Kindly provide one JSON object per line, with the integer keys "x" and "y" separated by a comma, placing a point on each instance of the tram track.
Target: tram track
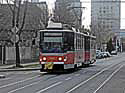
{"x": 71, "y": 77}
{"x": 82, "y": 83}
{"x": 25, "y": 83}
{"x": 32, "y": 82}
{"x": 108, "y": 79}
{"x": 16, "y": 78}
{"x": 55, "y": 83}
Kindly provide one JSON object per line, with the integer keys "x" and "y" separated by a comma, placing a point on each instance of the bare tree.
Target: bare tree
{"x": 21, "y": 19}
{"x": 15, "y": 9}
{"x": 103, "y": 34}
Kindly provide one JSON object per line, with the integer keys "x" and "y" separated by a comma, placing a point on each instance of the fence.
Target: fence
{"x": 27, "y": 54}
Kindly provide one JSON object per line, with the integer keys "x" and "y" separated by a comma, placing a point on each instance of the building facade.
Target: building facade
{"x": 105, "y": 19}
{"x": 34, "y": 1}
{"x": 70, "y": 8}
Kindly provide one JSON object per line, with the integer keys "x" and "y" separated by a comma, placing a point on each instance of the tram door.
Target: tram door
{"x": 87, "y": 49}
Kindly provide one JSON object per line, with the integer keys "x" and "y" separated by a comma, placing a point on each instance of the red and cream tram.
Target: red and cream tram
{"x": 65, "y": 49}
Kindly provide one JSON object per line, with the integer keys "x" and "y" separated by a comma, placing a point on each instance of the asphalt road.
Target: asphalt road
{"x": 105, "y": 76}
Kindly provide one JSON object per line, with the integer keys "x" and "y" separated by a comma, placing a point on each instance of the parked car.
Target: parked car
{"x": 114, "y": 52}
{"x": 108, "y": 54}
{"x": 104, "y": 54}
{"x": 98, "y": 54}
{"x": 98, "y": 51}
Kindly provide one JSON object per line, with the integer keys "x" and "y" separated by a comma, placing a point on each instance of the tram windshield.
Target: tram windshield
{"x": 56, "y": 42}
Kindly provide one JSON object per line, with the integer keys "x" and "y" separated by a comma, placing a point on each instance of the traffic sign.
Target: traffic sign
{"x": 15, "y": 29}
{"x": 15, "y": 38}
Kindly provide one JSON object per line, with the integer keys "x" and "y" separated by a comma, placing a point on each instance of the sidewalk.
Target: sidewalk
{"x": 27, "y": 67}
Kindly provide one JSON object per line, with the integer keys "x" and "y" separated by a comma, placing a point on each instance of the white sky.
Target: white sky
{"x": 122, "y": 16}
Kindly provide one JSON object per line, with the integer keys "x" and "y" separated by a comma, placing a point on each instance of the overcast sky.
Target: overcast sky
{"x": 122, "y": 16}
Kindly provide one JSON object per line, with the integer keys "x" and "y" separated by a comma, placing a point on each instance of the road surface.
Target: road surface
{"x": 105, "y": 76}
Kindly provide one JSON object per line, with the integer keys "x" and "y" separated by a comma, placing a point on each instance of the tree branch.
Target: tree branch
{"x": 24, "y": 16}
{"x": 14, "y": 11}
{"x": 9, "y": 6}
{"x": 18, "y": 14}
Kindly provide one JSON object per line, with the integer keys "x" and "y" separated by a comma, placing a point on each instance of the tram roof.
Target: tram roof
{"x": 62, "y": 30}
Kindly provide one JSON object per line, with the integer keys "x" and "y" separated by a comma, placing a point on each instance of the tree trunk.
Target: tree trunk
{"x": 17, "y": 55}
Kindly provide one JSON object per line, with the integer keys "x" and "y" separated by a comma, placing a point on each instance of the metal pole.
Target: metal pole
{"x": 121, "y": 47}
{"x": 116, "y": 45}
{"x": 2, "y": 55}
{"x": 15, "y": 42}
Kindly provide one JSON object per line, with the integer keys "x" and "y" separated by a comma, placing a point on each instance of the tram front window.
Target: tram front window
{"x": 52, "y": 47}
{"x": 51, "y": 44}
{"x": 56, "y": 42}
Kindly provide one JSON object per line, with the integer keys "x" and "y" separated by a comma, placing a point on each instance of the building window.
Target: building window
{"x": 104, "y": 11}
{"x": 111, "y": 7}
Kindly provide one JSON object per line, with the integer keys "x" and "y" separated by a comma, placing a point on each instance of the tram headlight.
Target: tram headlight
{"x": 44, "y": 58}
{"x": 60, "y": 58}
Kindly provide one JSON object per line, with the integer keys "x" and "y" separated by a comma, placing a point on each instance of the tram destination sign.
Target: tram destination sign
{"x": 52, "y": 34}
{"x": 52, "y": 39}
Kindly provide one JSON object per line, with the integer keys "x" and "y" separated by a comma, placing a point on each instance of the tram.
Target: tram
{"x": 62, "y": 48}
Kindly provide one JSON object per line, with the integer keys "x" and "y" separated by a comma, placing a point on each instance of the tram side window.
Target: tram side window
{"x": 77, "y": 41}
{"x": 87, "y": 43}
{"x": 41, "y": 39}
{"x": 81, "y": 41}
{"x": 68, "y": 41}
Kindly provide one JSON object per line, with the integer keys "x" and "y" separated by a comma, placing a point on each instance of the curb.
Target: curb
{"x": 21, "y": 69}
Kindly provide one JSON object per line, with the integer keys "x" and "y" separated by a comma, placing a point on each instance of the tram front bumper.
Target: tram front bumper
{"x": 52, "y": 62}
